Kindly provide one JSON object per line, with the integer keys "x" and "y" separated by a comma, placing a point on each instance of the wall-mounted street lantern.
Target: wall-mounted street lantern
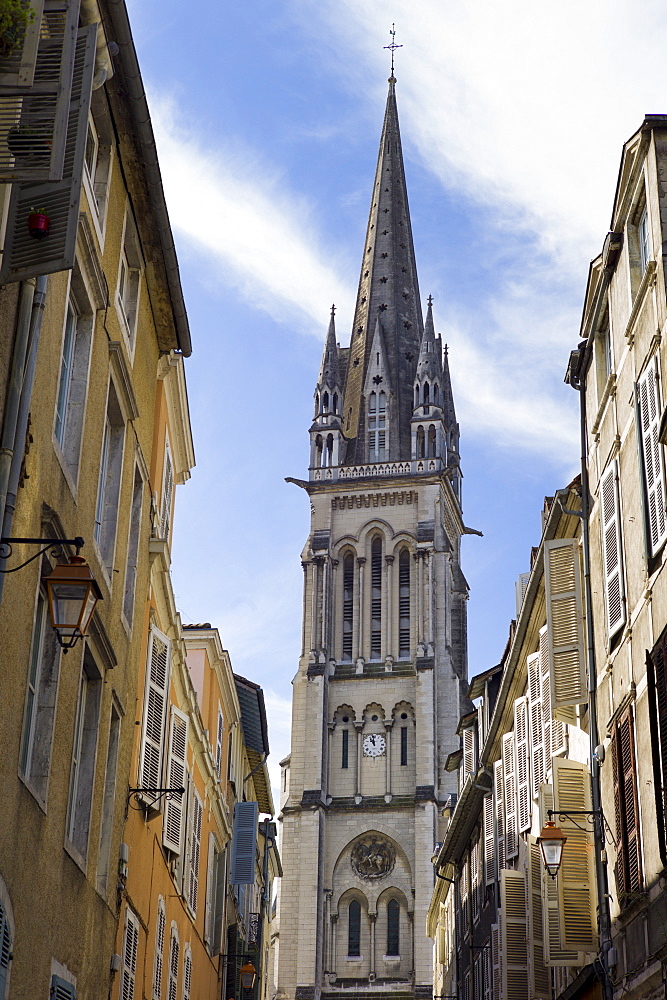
{"x": 551, "y": 842}
{"x": 248, "y": 975}
{"x": 71, "y": 588}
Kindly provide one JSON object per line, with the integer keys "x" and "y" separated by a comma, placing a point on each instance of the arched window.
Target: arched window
{"x": 393, "y": 922}
{"x": 426, "y": 394}
{"x": 5, "y": 950}
{"x": 318, "y": 451}
{"x": 325, "y": 403}
{"x": 348, "y": 605}
{"x": 354, "y": 928}
{"x": 377, "y": 434}
{"x": 317, "y": 403}
{"x": 416, "y": 396}
{"x": 376, "y": 599}
{"x": 421, "y": 445}
{"x": 329, "y": 458}
{"x": 431, "y": 441}
{"x": 436, "y": 394}
{"x": 335, "y": 402}
{"x": 404, "y": 603}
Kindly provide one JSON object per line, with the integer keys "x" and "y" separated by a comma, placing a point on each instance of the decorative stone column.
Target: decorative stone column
{"x": 332, "y": 958}
{"x": 372, "y": 918}
{"x": 359, "y": 727}
{"x": 332, "y": 646}
{"x": 429, "y": 634}
{"x": 387, "y": 729}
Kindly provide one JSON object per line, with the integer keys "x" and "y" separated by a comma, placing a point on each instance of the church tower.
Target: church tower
{"x": 382, "y": 678}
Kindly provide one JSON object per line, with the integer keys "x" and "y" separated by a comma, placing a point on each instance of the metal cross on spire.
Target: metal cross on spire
{"x": 393, "y": 46}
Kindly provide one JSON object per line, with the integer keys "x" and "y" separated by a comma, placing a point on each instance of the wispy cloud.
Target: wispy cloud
{"x": 230, "y": 205}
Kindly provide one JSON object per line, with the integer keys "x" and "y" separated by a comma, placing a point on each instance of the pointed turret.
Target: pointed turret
{"x": 329, "y": 369}
{"x": 389, "y": 290}
{"x": 325, "y": 432}
{"x": 429, "y": 366}
{"x": 448, "y": 396}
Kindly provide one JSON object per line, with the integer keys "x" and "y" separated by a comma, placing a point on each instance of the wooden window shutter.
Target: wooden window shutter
{"x": 514, "y": 945}
{"x": 129, "y": 956}
{"x": 554, "y": 955}
{"x": 61, "y": 989}
{"x": 159, "y": 950}
{"x": 489, "y": 842}
{"x": 539, "y": 979}
{"x": 653, "y": 465}
{"x": 167, "y": 493}
{"x": 565, "y": 624}
{"x": 555, "y": 731}
{"x": 194, "y": 852}
{"x": 521, "y": 765}
{"x": 155, "y": 710}
{"x": 576, "y": 878}
{"x": 469, "y": 762}
{"x": 244, "y": 842}
{"x": 33, "y": 113}
{"x": 210, "y": 890}
{"x": 499, "y": 807}
{"x": 626, "y": 805}
{"x": 509, "y": 795}
{"x": 656, "y": 672}
{"x": 496, "y": 962}
{"x": 24, "y": 256}
{"x": 537, "y": 769}
{"x": 612, "y": 550}
{"x": 172, "y": 829}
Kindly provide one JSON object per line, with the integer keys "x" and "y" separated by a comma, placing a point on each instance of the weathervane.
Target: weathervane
{"x": 392, "y": 47}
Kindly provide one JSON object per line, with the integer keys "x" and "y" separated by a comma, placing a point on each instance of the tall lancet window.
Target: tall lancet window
{"x": 377, "y": 434}
{"x": 376, "y": 598}
{"x": 348, "y": 605}
{"x": 431, "y": 441}
{"x": 404, "y": 604}
{"x": 354, "y": 928}
{"x": 393, "y": 918}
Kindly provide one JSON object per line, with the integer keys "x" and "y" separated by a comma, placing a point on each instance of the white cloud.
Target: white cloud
{"x": 231, "y": 207}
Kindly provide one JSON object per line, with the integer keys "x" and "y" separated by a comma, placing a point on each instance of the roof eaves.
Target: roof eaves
{"x": 465, "y": 815}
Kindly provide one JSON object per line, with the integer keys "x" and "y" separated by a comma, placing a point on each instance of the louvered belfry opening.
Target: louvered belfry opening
{"x": 348, "y": 605}
{"x": 404, "y": 604}
{"x": 376, "y": 599}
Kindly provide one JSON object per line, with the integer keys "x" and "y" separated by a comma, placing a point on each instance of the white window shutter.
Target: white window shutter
{"x": 167, "y": 492}
{"x": 174, "y": 953}
{"x": 514, "y": 945}
{"x": 210, "y": 891}
{"x": 576, "y": 878}
{"x": 194, "y": 852}
{"x": 25, "y": 257}
{"x": 129, "y": 956}
{"x": 159, "y": 950}
{"x": 218, "y": 743}
{"x": 489, "y": 842}
{"x": 155, "y": 710}
{"x": 17, "y": 71}
{"x": 5, "y": 951}
{"x": 554, "y": 955}
{"x": 497, "y": 964}
{"x": 172, "y": 828}
{"x": 244, "y": 841}
{"x": 509, "y": 795}
{"x": 554, "y": 731}
{"x": 61, "y": 989}
{"x": 464, "y": 890}
{"x": 654, "y": 469}
{"x": 612, "y": 550}
{"x": 499, "y": 807}
{"x": 475, "y": 880}
{"x": 521, "y": 768}
{"x": 565, "y": 623}
{"x": 539, "y": 979}
{"x": 469, "y": 752}
{"x": 537, "y": 769}
{"x": 187, "y": 973}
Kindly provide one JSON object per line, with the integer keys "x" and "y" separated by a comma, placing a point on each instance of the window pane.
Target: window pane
{"x": 66, "y": 359}
{"x": 393, "y": 916}
{"x": 354, "y": 929}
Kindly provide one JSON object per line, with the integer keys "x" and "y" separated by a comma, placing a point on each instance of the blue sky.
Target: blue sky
{"x": 268, "y": 117}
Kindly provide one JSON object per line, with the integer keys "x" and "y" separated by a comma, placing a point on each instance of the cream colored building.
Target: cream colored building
{"x": 381, "y": 681}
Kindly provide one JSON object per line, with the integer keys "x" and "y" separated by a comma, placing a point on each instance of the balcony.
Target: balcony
{"x": 374, "y": 470}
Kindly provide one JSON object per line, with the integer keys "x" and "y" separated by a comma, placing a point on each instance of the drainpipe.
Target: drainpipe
{"x": 35, "y": 326}
{"x": 15, "y": 387}
{"x": 576, "y": 377}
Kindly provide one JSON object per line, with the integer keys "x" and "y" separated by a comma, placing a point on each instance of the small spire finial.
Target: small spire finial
{"x": 446, "y": 350}
{"x": 333, "y": 311}
{"x": 430, "y": 300}
{"x": 393, "y": 46}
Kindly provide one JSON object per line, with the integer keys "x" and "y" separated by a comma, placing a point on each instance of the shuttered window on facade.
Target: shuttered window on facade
{"x": 565, "y": 625}
{"x": 554, "y": 954}
{"x": 648, "y": 400}
{"x": 626, "y": 807}
{"x": 656, "y": 673}
{"x": 158, "y": 964}
{"x": 5, "y": 951}
{"x": 521, "y": 763}
{"x": 172, "y": 829}
{"x": 129, "y": 956}
{"x": 61, "y": 989}
{"x": 194, "y": 852}
{"x": 475, "y": 880}
{"x": 612, "y": 550}
{"x": 554, "y": 732}
{"x": 155, "y": 710}
{"x": 499, "y": 809}
{"x": 576, "y": 877}
{"x": 509, "y": 795}
{"x": 489, "y": 841}
{"x": 464, "y": 890}
{"x": 513, "y": 935}
{"x": 537, "y": 767}
{"x": 174, "y": 952}
{"x": 244, "y": 841}
{"x": 469, "y": 751}
{"x": 539, "y": 976}
{"x": 496, "y": 962}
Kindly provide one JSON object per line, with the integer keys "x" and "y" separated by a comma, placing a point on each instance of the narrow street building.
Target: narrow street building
{"x": 382, "y": 678}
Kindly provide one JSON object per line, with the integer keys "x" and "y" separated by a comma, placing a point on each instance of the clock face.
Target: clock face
{"x": 374, "y": 745}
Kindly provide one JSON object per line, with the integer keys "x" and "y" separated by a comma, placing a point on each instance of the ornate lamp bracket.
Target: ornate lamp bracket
{"x": 54, "y": 545}
{"x": 146, "y": 798}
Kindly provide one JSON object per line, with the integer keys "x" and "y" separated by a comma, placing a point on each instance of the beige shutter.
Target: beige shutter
{"x": 576, "y": 878}
{"x": 129, "y": 956}
{"x": 172, "y": 830}
{"x": 155, "y": 711}
{"x": 521, "y": 768}
{"x": 612, "y": 549}
{"x": 509, "y": 795}
{"x": 540, "y": 979}
{"x": 167, "y": 492}
{"x": 210, "y": 890}
{"x": 497, "y": 962}
{"x": 654, "y": 470}
{"x": 218, "y": 743}
{"x": 554, "y": 731}
{"x": 537, "y": 769}
{"x": 475, "y": 880}
{"x": 499, "y": 806}
{"x": 565, "y": 623}
{"x": 159, "y": 950}
{"x": 469, "y": 763}
{"x": 554, "y": 955}
{"x": 513, "y": 935}
{"x": 464, "y": 890}
{"x": 489, "y": 842}
{"x": 194, "y": 853}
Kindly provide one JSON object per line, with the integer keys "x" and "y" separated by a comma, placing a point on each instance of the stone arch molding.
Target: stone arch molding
{"x": 397, "y": 877}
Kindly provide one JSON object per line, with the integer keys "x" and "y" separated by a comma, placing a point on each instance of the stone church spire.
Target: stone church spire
{"x": 388, "y": 290}
{"x": 329, "y": 369}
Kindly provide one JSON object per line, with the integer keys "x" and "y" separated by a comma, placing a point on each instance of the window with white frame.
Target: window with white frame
{"x": 84, "y": 752}
{"x": 377, "y": 434}
{"x": 108, "y": 491}
{"x": 73, "y": 376}
{"x": 92, "y": 150}
{"x": 129, "y": 956}
{"x": 129, "y": 278}
{"x": 218, "y": 742}
{"x": 40, "y": 704}
{"x": 174, "y": 951}
{"x": 644, "y": 239}
{"x": 167, "y": 492}
{"x": 159, "y": 949}
{"x": 98, "y": 156}
{"x": 194, "y": 850}
{"x": 133, "y": 546}
{"x": 106, "y": 826}
{"x": 6, "y": 955}
{"x": 154, "y": 721}
{"x": 187, "y": 972}
{"x": 649, "y": 412}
